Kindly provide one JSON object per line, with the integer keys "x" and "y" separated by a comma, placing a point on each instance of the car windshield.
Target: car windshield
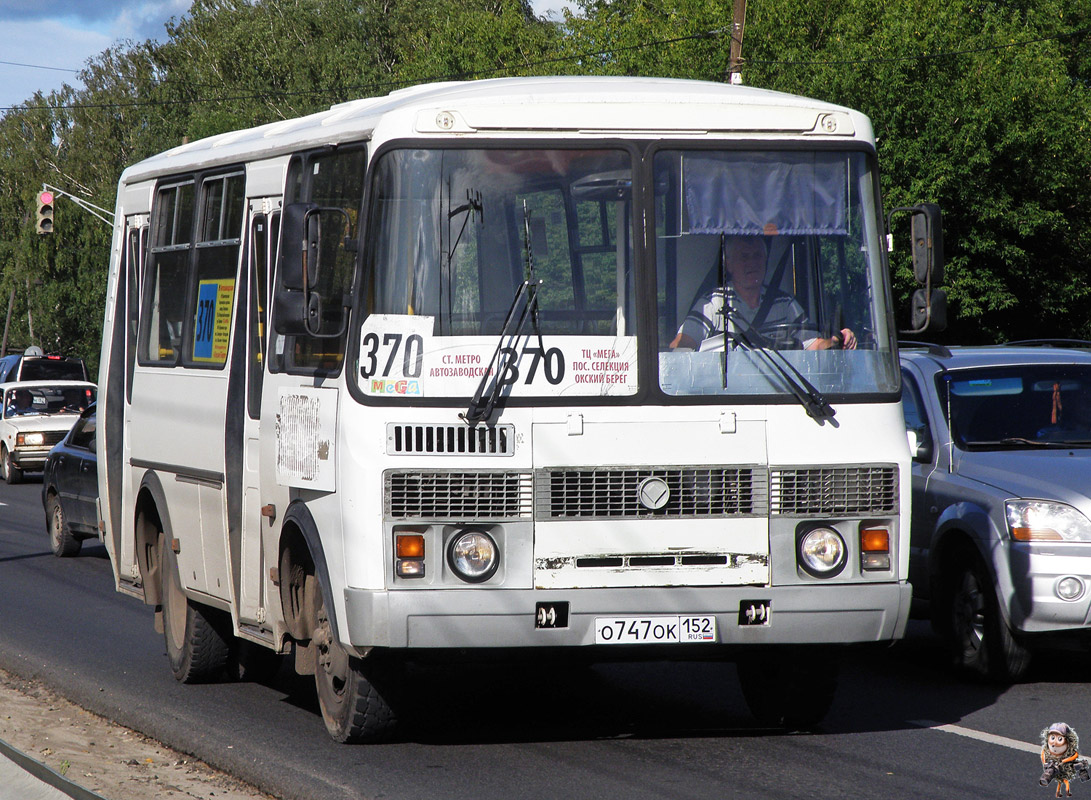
{"x": 22, "y": 401}
{"x": 1026, "y": 406}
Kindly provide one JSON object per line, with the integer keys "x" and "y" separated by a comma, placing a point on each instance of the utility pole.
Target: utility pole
{"x": 735, "y": 58}
{"x": 7, "y": 322}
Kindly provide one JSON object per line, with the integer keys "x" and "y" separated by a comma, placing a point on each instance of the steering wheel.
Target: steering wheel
{"x": 781, "y": 333}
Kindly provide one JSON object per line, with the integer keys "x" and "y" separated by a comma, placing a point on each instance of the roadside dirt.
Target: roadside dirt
{"x": 105, "y": 758}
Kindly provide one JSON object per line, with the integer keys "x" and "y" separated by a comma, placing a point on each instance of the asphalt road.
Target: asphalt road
{"x": 902, "y": 726}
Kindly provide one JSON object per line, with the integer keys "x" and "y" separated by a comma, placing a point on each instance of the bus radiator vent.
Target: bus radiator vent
{"x": 450, "y": 440}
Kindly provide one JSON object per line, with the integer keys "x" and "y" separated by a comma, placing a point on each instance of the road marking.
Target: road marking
{"x": 970, "y": 733}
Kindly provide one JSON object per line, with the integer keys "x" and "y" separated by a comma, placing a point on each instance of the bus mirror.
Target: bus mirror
{"x": 309, "y": 314}
{"x": 289, "y": 314}
{"x": 926, "y": 227}
{"x": 300, "y": 237}
{"x": 929, "y": 311}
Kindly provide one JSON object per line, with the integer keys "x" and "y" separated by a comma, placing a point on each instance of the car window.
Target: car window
{"x": 912, "y": 405}
{"x": 1027, "y": 405}
{"x": 83, "y": 433}
{"x": 51, "y": 369}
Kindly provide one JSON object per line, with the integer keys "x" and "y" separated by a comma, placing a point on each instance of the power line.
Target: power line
{"x": 388, "y": 85}
{"x": 37, "y": 66}
{"x": 373, "y": 87}
{"x": 926, "y": 56}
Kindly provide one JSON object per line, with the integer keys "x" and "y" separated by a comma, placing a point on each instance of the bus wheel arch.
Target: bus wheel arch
{"x": 356, "y": 696}
{"x": 303, "y": 575}
{"x": 295, "y": 565}
{"x": 149, "y": 523}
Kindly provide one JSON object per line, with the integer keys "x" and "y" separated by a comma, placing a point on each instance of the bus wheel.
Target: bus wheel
{"x": 352, "y": 706}
{"x": 197, "y": 644}
{"x": 12, "y": 474}
{"x": 787, "y": 690}
{"x": 61, "y": 540}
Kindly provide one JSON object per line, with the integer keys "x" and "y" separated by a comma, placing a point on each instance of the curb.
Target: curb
{"x": 15, "y": 765}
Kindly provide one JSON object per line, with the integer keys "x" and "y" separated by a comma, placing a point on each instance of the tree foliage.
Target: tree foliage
{"x": 982, "y": 107}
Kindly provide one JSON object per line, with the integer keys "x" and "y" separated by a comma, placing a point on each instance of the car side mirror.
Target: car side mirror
{"x": 920, "y": 444}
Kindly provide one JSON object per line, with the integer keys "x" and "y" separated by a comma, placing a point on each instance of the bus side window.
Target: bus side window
{"x": 215, "y": 265}
{"x": 263, "y": 238}
{"x": 163, "y": 306}
{"x": 135, "y": 247}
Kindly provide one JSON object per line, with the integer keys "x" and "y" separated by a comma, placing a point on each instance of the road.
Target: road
{"x": 902, "y": 725}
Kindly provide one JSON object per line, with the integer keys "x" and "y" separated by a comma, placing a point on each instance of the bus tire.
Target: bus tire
{"x": 353, "y": 707}
{"x": 787, "y": 690}
{"x": 197, "y": 645}
{"x": 12, "y": 474}
{"x": 61, "y": 540}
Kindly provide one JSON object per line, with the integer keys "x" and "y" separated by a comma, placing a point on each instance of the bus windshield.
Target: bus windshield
{"x": 456, "y": 235}
{"x": 768, "y": 263}
{"x": 515, "y": 268}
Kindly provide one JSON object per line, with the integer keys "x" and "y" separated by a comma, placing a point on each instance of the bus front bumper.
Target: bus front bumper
{"x": 467, "y": 618}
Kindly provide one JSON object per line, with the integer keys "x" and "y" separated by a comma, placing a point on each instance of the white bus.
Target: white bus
{"x": 402, "y": 380}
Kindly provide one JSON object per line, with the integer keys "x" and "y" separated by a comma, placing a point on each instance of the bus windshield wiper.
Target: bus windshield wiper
{"x": 481, "y": 407}
{"x": 812, "y": 400}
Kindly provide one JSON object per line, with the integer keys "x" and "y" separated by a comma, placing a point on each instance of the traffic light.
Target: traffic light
{"x": 45, "y": 212}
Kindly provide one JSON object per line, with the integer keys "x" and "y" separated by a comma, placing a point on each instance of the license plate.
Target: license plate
{"x": 654, "y": 630}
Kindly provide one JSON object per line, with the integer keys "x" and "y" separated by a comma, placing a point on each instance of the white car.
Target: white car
{"x": 37, "y": 415}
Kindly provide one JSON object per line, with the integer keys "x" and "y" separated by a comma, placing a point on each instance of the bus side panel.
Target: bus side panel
{"x": 177, "y": 426}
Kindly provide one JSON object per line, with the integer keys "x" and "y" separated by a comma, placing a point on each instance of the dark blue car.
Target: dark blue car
{"x": 70, "y": 488}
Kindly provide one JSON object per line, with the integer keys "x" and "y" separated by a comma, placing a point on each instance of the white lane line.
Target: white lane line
{"x": 970, "y": 733}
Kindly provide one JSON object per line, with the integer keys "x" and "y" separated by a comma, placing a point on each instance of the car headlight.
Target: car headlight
{"x": 473, "y": 556}
{"x": 30, "y": 440}
{"x": 822, "y": 552}
{"x": 1046, "y": 521}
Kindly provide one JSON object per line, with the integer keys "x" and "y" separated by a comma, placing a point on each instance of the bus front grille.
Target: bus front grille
{"x": 834, "y": 491}
{"x": 468, "y": 495}
{"x": 450, "y": 440}
{"x": 621, "y": 493}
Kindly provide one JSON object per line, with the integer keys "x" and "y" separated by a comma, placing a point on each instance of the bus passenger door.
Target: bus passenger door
{"x": 252, "y": 559}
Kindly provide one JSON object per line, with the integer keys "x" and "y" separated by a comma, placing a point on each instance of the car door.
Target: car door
{"x": 924, "y": 512}
{"x": 70, "y": 475}
{"x": 83, "y": 442}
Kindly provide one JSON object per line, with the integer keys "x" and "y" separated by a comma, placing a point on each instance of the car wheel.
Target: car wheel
{"x": 12, "y": 474}
{"x": 196, "y": 637}
{"x": 792, "y": 690}
{"x": 353, "y": 706}
{"x": 981, "y": 641}
{"x": 61, "y": 540}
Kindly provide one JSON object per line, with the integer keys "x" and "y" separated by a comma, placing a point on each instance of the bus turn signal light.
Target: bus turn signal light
{"x": 410, "y": 545}
{"x": 874, "y": 549}
{"x": 409, "y": 549}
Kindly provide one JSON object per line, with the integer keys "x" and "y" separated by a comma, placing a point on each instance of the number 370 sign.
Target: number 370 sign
{"x": 399, "y": 355}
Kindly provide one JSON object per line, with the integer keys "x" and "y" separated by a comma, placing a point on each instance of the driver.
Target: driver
{"x": 745, "y": 261}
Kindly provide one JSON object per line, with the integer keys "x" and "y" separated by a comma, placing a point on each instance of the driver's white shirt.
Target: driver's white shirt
{"x": 707, "y": 318}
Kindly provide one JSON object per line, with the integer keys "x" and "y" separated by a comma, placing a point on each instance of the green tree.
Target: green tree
{"x": 979, "y": 107}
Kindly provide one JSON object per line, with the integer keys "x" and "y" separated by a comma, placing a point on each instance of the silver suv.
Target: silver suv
{"x": 1001, "y": 526}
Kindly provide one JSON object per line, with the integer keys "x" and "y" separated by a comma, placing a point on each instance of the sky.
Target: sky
{"x": 44, "y": 43}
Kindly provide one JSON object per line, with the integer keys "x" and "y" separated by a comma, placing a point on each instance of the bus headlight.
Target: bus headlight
{"x": 473, "y": 556}
{"x": 822, "y": 552}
